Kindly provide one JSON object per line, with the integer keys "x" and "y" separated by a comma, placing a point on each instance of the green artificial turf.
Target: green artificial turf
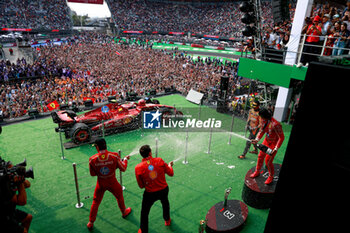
{"x": 194, "y": 189}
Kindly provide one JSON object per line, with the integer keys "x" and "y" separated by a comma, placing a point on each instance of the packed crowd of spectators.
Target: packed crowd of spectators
{"x": 220, "y": 20}
{"x": 21, "y": 69}
{"x": 35, "y": 14}
{"x": 93, "y": 68}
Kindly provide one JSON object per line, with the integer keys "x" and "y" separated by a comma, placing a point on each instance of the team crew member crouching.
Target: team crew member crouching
{"x": 274, "y": 139}
{"x": 103, "y": 165}
{"x": 150, "y": 174}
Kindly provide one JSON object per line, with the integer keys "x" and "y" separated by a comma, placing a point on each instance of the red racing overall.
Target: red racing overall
{"x": 150, "y": 174}
{"x": 274, "y": 139}
{"x": 103, "y": 165}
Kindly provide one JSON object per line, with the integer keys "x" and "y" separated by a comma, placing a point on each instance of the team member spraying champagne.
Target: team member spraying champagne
{"x": 273, "y": 140}
{"x": 150, "y": 175}
{"x": 103, "y": 165}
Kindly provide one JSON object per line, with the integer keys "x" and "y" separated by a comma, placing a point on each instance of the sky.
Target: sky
{"x": 92, "y": 10}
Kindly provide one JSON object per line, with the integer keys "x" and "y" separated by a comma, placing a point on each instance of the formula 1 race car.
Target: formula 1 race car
{"x": 108, "y": 119}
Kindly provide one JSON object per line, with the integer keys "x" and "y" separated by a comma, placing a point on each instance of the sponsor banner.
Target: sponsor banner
{"x": 211, "y": 37}
{"x": 176, "y": 33}
{"x": 133, "y": 32}
{"x": 16, "y": 29}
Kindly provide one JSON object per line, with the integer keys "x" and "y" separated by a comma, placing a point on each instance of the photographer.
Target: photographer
{"x": 20, "y": 219}
{"x": 313, "y": 32}
{"x": 13, "y": 193}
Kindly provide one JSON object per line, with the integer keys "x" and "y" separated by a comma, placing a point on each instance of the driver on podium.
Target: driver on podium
{"x": 274, "y": 139}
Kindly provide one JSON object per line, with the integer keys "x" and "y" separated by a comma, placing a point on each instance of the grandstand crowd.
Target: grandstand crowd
{"x": 94, "y": 66}
{"x": 205, "y": 19}
{"x": 91, "y": 68}
{"x": 35, "y": 14}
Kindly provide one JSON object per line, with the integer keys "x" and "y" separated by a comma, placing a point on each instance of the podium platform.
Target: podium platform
{"x": 255, "y": 192}
{"x": 229, "y": 219}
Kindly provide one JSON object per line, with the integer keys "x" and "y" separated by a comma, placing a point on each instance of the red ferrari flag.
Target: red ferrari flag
{"x": 53, "y": 105}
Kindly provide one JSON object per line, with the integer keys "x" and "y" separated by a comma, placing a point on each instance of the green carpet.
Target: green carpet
{"x": 194, "y": 188}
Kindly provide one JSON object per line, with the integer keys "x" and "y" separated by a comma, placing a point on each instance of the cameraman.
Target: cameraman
{"x": 12, "y": 219}
{"x": 23, "y": 219}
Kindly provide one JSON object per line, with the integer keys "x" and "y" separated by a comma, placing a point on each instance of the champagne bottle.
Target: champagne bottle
{"x": 202, "y": 224}
{"x": 264, "y": 149}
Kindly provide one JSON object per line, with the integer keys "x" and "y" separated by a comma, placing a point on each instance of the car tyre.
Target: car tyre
{"x": 80, "y": 133}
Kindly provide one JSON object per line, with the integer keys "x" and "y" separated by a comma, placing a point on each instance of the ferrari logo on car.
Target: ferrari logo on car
{"x": 127, "y": 120}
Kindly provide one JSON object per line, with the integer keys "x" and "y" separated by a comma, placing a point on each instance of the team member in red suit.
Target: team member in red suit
{"x": 274, "y": 139}
{"x": 150, "y": 174}
{"x": 103, "y": 165}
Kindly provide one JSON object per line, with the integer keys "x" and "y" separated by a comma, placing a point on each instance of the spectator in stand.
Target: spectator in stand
{"x": 346, "y": 19}
{"x": 284, "y": 41}
{"x": 341, "y": 41}
{"x": 346, "y": 9}
{"x": 271, "y": 38}
{"x": 249, "y": 47}
{"x": 330, "y": 43}
{"x": 313, "y": 32}
{"x": 326, "y": 26}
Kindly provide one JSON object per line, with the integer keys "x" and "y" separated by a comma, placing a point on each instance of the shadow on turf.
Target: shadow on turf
{"x": 131, "y": 218}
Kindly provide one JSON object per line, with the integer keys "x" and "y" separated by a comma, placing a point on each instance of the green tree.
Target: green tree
{"x": 79, "y": 20}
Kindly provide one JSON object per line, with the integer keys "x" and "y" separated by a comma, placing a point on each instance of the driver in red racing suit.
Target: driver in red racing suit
{"x": 103, "y": 165}
{"x": 274, "y": 139}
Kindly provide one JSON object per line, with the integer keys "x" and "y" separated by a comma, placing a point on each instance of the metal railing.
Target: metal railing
{"x": 321, "y": 49}
{"x": 324, "y": 48}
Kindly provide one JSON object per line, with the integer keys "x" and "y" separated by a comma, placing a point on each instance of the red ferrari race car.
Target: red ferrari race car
{"x": 110, "y": 118}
